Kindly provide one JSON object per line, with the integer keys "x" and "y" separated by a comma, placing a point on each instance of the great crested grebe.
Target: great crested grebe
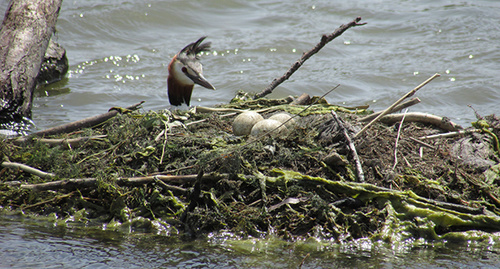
{"x": 184, "y": 71}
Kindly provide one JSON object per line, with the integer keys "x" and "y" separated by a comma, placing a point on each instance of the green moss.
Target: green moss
{"x": 288, "y": 190}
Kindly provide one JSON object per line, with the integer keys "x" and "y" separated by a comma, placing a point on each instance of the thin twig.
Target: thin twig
{"x": 450, "y": 134}
{"x": 325, "y": 39}
{"x": 167, "y": 186}
{"x": 164, "y": 141}
{"x": 48, "y": 201}
{"x": 28, "y": 169}
{"x": 405, "y": 104}
{"x": 422, "y": 143}
{"x": 303, "y": 260}
{"x": 397, "y": 140}
{"x": 410, "y": 93}
{"x": 352, "y": 148}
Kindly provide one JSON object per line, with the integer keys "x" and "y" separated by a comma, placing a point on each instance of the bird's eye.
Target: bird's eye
{"x": 184, "y": 70}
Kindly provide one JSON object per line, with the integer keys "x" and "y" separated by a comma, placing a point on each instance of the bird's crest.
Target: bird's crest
{"x": 195, "y": 48}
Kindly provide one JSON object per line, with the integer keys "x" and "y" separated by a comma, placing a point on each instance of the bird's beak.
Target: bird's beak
{"x": 201, "y": 80}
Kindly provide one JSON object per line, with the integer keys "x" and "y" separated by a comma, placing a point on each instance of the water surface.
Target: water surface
{"x": 118, "y": 53}
{"x": 30, "y": 243}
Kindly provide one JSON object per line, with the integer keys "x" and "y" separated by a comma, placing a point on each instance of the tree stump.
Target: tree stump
{"x": 26, "y": 30}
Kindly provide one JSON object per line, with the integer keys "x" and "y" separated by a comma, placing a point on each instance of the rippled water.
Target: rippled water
{"x": 118, "y": 53}
{"x": 31, "y": 243}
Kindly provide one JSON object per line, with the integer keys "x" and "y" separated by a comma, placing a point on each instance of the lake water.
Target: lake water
{"x": 31, "y": 243}
{"x": 119, "y": 51}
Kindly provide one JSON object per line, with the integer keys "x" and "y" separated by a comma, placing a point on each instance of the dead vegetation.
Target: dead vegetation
{"x": 156, "y": 170}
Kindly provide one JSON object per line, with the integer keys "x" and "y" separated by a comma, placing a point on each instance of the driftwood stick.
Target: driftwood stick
{"x": 325, "y": 39}
{"x": 352, "y": 148}
{"x": 28, "y": 169}
{"x": 440, "y": 122}
{"x": 450, "y": 134}
{"x": 70, "y": 142}
{"x": 403, "y": 105}
{"x": 84, "y": 123}
{"x": 77, "y": 183}
{"x": 410, "y": 93}
{"x": 66, "y": 184}
{"x": 135, "y": 181}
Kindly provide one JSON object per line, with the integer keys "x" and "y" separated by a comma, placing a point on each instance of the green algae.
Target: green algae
{"x": 401, "y": 206}
{"x": 291, "y": 192}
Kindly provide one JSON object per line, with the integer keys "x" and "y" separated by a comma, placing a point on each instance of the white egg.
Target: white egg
{"x": 265, "y": 126}
{"x": 244, "y": 122}
{"x": 282, "y": 117}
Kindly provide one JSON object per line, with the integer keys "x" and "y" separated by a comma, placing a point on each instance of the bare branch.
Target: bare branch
{"x": 325, "y": 39}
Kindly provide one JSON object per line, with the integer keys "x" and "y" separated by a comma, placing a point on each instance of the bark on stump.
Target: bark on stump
{"x": 26, "y": 30}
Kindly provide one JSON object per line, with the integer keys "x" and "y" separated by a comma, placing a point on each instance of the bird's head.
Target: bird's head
{"x": 185, "y": 70}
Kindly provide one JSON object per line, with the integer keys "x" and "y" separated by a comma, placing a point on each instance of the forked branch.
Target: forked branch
{"x": 325, "y": 39}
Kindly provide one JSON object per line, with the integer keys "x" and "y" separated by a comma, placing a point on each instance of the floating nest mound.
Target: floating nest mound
{"x": 188, "y": 175}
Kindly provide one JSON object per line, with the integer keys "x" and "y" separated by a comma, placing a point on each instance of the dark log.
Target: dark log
{"x": 26, "y": 30}
{"x": 304, "y": 99}
{"x": 85, "y": 123}
{"x": 54, "y": 66}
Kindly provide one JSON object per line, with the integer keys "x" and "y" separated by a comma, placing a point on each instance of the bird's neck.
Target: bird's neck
{"x": 178, "y": 93}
